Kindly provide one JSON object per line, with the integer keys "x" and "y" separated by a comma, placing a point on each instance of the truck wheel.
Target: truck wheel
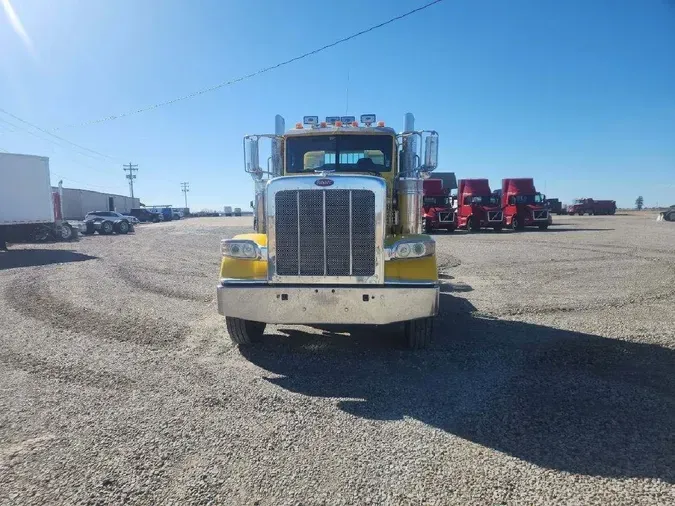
{"x": 428, "y": 228}
{"x": 39, "y": 234}
{"x": 106, "y": 228}
{"x": 516, "y": 224}
{"x": 122, "y": 227}
{"x": 244, "y": 331}
{"x": 66, "y": 232}
{"x": 472, "y": 225}
{"x": 417, "y": 333}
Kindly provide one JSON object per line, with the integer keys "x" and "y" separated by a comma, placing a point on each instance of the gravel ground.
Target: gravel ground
{"x": 550, "y": 380}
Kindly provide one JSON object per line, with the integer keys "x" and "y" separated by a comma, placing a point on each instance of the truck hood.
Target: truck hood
{"x": 485, "y": 208}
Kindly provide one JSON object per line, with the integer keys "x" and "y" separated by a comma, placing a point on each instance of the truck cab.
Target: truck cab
{"x": 477, "y": 206}
{"x": 338, "y": 237}
{"x": 437, "y": 205}
{"x": 523, "y": 205}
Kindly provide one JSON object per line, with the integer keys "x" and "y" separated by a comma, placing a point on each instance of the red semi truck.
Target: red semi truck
{"x": 477, "y": 206}
{"x": 590, "y": 206}
{"x": 437, "y": 206}
{"x": 523, "y": 206}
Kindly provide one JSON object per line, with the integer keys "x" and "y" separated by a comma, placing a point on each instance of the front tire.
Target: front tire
{"x": 244, "y": 332}
{"x": 417, "y": 333}
{"x": 472, "y": 225}
{"x": 516, "y": 223}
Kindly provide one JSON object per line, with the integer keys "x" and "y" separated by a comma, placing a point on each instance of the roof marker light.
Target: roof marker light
{"x": 355, "y": 123}
{"x": 298, "y": 126}
{"x": 322, "y": 124}
{"x": 380, "y": 123}
{"x": 368, "y": 119}
{"x": 338, "y": 123}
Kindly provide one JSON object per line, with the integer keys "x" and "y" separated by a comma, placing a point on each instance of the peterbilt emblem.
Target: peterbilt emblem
{"x": 324, "y": 182}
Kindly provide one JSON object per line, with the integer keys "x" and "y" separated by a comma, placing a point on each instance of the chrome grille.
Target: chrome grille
{"x": 445, "y": 217}
{"x": 495, "y": 216}
{"x": 325, "y": 232}
{"x": 540, "y": 215}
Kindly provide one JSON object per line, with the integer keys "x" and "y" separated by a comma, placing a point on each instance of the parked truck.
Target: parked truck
{"x": 237, "y": 211}
{"x": 477, "y": 206}
{"x": 29, "y": 210}
{"x": 522, "y": 205}
{"x": 338, "y": 235}
{"x": 227, "y": 211}
{"x": 592, "y": 207}
{"x": 555, "y": 206}
{"x": 437, "y": 204}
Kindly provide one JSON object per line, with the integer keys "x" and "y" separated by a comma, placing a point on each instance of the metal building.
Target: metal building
{"x": 77, "y": 203}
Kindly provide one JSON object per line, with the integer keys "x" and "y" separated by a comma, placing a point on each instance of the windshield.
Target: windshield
{"x": 578, "y": 201}
{"x": 436, "y": 201}
{"x": 341, "y": 153}
{"x": 484, "y": 200}
{"x": 529, "y": 199}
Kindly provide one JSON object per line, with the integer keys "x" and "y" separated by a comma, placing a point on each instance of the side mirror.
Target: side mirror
{"x": 431, "y": 152}
{"x": 251, "y": 203}
{"x": 252, "y": 156}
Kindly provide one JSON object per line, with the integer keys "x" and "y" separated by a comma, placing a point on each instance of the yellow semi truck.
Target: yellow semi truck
{"x": 338, "y": 231}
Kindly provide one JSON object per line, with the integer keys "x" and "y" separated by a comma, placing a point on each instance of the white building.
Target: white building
{"x": 77, "y": 203}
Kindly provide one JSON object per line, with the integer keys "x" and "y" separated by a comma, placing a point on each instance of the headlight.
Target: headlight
{"x": 236, "y": 248}
{"x": 411, "y": 249}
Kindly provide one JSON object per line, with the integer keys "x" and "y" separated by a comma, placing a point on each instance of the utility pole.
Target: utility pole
{"x": 131, "y": 176}
{"x": 185, "y": 187}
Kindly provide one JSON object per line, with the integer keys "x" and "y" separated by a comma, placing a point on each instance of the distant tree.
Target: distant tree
{"x": 639, "y": 203}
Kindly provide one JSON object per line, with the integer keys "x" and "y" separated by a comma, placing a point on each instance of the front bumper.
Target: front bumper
{"x": 315, "y": 304}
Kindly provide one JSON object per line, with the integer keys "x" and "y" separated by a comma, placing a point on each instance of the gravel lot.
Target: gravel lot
{"x": 551, "y": 378}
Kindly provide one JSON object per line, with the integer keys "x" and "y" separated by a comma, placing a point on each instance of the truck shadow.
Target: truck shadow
{"x": 549, "y": 230}
{"x": 562, "y": 400}
{"x": 15, "y": 258}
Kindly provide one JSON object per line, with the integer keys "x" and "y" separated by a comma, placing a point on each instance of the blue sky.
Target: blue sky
{"x": 579, "y": 94}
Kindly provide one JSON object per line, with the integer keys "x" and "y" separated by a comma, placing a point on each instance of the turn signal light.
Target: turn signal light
{"x": 380, "y": 123}
{"x": 298, "y": 126}
{"x": 338, "y": 123}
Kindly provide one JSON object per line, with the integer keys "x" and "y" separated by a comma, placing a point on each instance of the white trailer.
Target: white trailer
{"x": 227, "y": 210}
{"x": 237, "y": 211}
{"x": 28, "y": 210}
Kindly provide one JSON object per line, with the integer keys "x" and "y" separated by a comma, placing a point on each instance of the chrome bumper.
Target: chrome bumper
{"x": 314, "y": 304}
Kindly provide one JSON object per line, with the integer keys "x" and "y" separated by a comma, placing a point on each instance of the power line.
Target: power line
{"x": 131, "y": 176}
{"x": 56, "y": 136}
{"x": 256, "y": 73}
{"x": 83, "y": 183}
{"x": 55, "y": 143}
{"x": 185, "y": 188}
